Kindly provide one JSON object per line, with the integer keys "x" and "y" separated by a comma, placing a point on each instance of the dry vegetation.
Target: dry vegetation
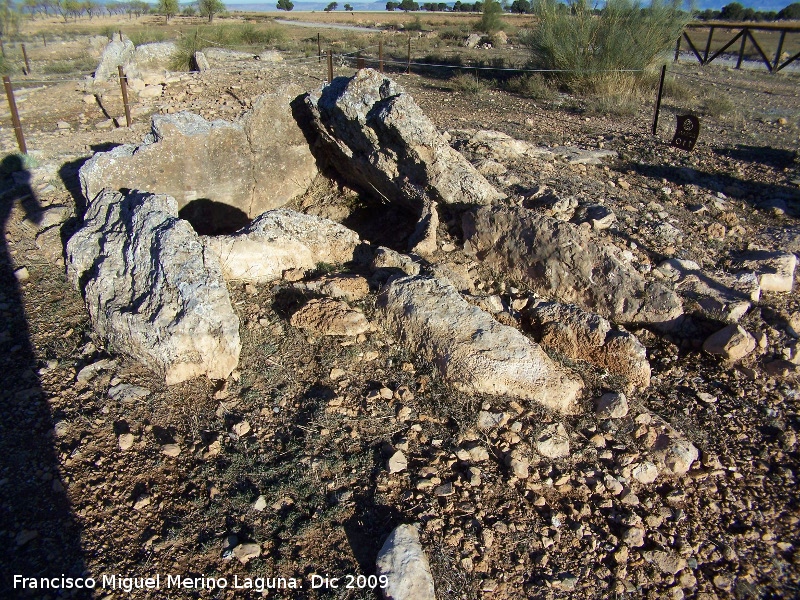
{"x": 319, "y": 436}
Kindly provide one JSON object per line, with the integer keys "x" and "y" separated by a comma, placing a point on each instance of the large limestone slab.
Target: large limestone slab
{"x": 404, "y": 564}
{"x": 473, "y": 352}
{"x": 775, "y": 270}
{"x": 153, "y": 292}
{"x": 379, "y": 140}
{"x": 255, "y": 164}
{"x": 581, "y": 335}
{"x": 116, "y": 53}
{"x": 557, "y": 259}
{"x": 282, "y": 240}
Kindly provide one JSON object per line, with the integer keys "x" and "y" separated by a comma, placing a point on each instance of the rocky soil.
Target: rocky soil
{"x": 317, "y": 446}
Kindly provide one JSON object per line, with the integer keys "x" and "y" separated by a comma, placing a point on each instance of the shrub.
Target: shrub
{"x": 415, "y": 25}
{"x": 468, "y": 83}
{"x": 147, "y": 36}
{"x": 490, "y": 20}
{"x": 589, "y": 48}
{"x": 531, "y": 85}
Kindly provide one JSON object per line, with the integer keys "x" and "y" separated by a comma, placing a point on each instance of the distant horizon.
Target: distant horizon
{"x": 376, "y": 6}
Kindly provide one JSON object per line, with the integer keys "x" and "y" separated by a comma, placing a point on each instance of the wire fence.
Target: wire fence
{"x": 389, "y": 57}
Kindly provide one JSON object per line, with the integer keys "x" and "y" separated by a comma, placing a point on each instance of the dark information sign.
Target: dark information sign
{"x": 686, "y": 133}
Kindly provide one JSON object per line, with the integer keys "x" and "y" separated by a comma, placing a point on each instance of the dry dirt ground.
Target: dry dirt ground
{"x": 322, "y": 415}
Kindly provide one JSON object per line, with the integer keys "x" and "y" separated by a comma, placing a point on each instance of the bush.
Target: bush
{"x": 147, "y": 36}
{"x": 415, "y": 25}
{"x": 490, "y": 20}
{"x": 590, "y": 48}
{"x": 468, "y": 83}
{"x": 531, "y": 85}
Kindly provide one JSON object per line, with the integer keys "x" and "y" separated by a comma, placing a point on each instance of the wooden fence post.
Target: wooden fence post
{"x": 123, "y": 82}
{"x": 330, "y": 65}
{"x": 27, "y": 64}
{"x": 408, "y": 62}
{"x": 380, "y": 55}
{"x": 2, "y": 48}
{"x": 14, "y": 115}
{"x": 44, "y": 39}
{"x": 677, "y": 48}
{"x": 319, "y": 48}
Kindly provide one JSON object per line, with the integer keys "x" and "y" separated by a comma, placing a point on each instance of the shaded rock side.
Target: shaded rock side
{"x": 116, "y": 53}
{"x": 581, "y": 335}
{"x": 153, "y": 292}
{"x": 373, "y": 133}
{"x": 557, "y": 259}
{"x": 255, "y": 164}
{"x": 280, "y": 240}
{"x": 473, "y": 352}
{"x": 403, "y": 562}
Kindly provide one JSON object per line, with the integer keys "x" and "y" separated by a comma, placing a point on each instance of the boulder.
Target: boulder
{"x": 224, "y": 57}
{"x": 376, "y": 137}
{"x": 252, "y": 165}
{"x": 472, "y": 40}
{"x": 154, "y": 57}
{"x": 473, "y": 352}
{"x": 732, "y": 343}
{"x": 199, "y": 62}
{"x": 775, "y": 270}
{"x": 557, "y": 259}
{"x": 577, "y": 334}
{"x": 324, "y": 316}
{"x": 499, "y": 146}
{"x": 403, "y": 562}
{"x": 153, "y": 292}
{"x": 116, "y": 53}
{"x": 281, "y": 240}
{"x": 717, "y": 296}
{"x": 342, "y": 287}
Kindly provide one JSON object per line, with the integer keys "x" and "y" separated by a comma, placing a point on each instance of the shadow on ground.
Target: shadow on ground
{"x": 40, "y": 536}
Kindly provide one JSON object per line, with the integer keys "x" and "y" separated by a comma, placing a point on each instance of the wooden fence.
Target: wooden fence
{"x": 744, "y": 32}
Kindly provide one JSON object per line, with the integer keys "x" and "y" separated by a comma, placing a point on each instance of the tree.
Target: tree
{"x": 168, "y": 8}
{"x": 331, "y": 6}
{"x": 408, "y": 5}
{"x": 189, "y": 11}
{"x": 390, "y": 6}
{"x": 348, "y": 7}
{"x": 286, "y": 5}
{"x": 490, "y": 20}
{"x": 791, "y": 12}
{"x": 209, "y": 8}
{"x": 520, "y": 7}
{"x": 732, "y": 12}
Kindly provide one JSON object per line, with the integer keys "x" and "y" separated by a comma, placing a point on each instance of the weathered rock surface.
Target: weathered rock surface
{"x": 578, "y": 334}
{"x": 386, "y": 258}
{"x": 553, "y": 441}
{"x": 473, "y": 351}
{"x": 557, "y": 259}
{"x": 153, "y": 292}
{"x": 342, "y": 287}
{"x": 199, "y": 62}
{"x": 324, "y": 316}
{"x": 116, "y": 53}
{"x": 775, "y": 270}
{"x": 717, "y": 296}
{"x": 732, "y": 343}
{"x": 281, "y": 240}
{"x": 255, "y": 164}
{"x": 402, "y": 560}
{"x": 500, "y": 146}
{"x": 153, "y": 57}
{"x": 378, "y": 139}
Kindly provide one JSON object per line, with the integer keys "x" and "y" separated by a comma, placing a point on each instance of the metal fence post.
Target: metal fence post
{"x": 12, "y": 104}
{"x": 380, "y": 55}
{"x": 330, "y": 65}
{"x": 27, "y": 64}
{"x": 408, "y": 62}
{"x": 123, "y": 83}
{"x": 658, "y": 98}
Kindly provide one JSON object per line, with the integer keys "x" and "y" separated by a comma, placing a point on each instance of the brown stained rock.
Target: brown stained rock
{"x": 330, "y": 317}
{"x": 578, "y": 334}
{"x": 732, "y": 343}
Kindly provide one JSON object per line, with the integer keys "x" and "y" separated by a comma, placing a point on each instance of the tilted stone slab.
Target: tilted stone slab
{"x": 582, "y": 335}
{"x": 281, "y": 240}
{"x": 379, "y": 140}
{"x": 558, "y": 260}
{"x": 255, "y": 164}
{"x": 473, "y": 351}
{"x": 403, "y": 563}
{"x": 153, "y": 292}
